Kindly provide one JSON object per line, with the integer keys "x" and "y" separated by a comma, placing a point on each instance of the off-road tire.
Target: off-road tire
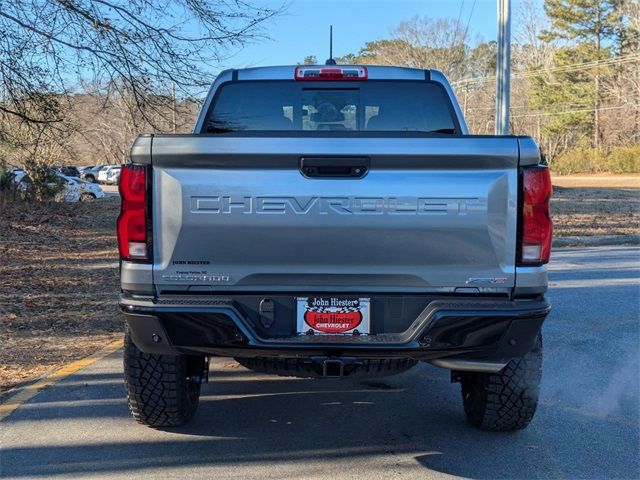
{"x": 504, "y": 401}
{"x": 297, "y": 367}
{"x": 162, "y": 390}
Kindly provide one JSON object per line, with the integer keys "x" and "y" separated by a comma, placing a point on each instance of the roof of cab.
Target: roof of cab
{"x": 375, "y": 72}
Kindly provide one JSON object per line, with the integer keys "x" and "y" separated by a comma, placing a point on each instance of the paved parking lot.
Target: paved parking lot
{"x": 408, "y": 426}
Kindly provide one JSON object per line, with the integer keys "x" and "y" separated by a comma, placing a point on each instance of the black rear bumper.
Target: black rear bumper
{"x": 447, "y": 327}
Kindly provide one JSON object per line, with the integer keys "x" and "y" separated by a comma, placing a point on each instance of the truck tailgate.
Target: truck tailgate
{"x": 430, "y": 214}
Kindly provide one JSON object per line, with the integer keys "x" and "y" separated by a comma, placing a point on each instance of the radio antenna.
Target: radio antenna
{"x": 330, "y": 61}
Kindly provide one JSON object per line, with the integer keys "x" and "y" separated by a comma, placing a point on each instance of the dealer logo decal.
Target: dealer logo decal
{"x": 333, "y": 321}
{"x": 333, "y": 315}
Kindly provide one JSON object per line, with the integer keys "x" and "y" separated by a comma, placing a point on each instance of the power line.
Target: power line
{"x": 569, "y": 107}
{"x": 460, "y": 58}
{"x": 455, "y": 32}
{"x": 466, "y": 29}
{"x": 564, "y": 68}
{"x": 566, "y": 104}
{"x": 584, "y": 66}
{"x": 565, "y": 112}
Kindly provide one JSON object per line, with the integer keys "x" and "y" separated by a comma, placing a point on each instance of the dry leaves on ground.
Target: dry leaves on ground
{"x": 595, "y": 211}
{"x": 58, "y": 285}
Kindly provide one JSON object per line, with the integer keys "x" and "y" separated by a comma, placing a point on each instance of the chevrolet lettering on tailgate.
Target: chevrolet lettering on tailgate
{"x": 341, "y": 205}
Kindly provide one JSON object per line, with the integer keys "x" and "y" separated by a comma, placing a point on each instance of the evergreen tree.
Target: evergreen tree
{"x": 567, "y": 95}
{"x": 585, "y": 22}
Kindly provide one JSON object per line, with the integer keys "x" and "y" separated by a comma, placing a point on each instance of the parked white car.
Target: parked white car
{"x": 90, "y": 174}
{"x": 113, "y": 177}
{"x": 18, "y": 175}
{"x": 108, "y": 175}
{"x": 74, "y": 189}
{"x": 102, "y": 174}
{"x": 88, "y": 191}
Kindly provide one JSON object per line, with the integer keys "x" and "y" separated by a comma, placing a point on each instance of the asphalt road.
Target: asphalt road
{"x": 408, "y": 426}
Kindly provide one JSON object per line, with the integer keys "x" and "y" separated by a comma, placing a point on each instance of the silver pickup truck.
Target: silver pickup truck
{"x": 334, "y": 221}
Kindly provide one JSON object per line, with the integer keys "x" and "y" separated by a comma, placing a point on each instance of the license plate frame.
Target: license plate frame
{"x": 333, "y": 315}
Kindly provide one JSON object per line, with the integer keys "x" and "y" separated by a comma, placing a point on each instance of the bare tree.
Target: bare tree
{"x": 141, "y": 46}
{"x": 134, "y": 56}
{"x": 421, "y": 42}
{"x": 36, "y": 147}
{"x": 530, "y": 22}
{"x": 104, "y": 125}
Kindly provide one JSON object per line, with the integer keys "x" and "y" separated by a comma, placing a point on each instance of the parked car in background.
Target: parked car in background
{"x": 104, "y": 174}
{"x": 16, "y": 171}
{"x": 73, "y": 189}
{"x": 84, "y": 168}
{"x": 90, "y": 174}
{"x": 88, "y": 190}
{"x": 76, "y": 190}
{"x": 113, "y": 178}
{"x": 18, "y": 175}
{"x": 67, "y": 170}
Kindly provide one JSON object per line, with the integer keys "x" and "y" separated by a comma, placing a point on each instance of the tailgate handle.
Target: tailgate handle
{"x": 334, "y": 167}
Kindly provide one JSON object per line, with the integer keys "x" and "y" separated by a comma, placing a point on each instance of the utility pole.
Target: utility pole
{"x": 503, "y": 68}
{"x": 173, "y": 106}
{"x": 466, "y": 94}
{"x": 596, "y": 114}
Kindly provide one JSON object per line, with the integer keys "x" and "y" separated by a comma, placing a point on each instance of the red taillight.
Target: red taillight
{"x": 537, "y": 228}
{"x": 333, "y": 73}
{"x": 132, "y": 222}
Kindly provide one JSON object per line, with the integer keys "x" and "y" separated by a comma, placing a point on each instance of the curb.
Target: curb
{"x": 596, "y": 240}
{"x": 27, "y": 393}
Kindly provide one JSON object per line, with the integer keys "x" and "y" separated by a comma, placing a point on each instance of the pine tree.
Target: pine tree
{"x": 591, "y": 22}
{"x": 567, "y": 96}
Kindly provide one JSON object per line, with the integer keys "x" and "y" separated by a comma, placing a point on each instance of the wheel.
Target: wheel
{"x": 299, "y": 367}
{"x": 90, "y": 179}
{"x": 87, "y": 197}
{"x": 504, "y": 401}
{"x": 162, "y": 390}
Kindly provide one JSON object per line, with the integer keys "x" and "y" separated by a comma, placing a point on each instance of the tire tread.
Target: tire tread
{"x": 158, "y": 392}
{"x": 504, "y": 401}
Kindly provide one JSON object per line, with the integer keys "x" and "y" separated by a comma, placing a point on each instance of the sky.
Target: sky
{"x": 303, "y": 29}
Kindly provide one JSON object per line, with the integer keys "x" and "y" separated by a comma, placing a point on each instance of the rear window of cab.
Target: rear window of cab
{"x": 375, "y": 105}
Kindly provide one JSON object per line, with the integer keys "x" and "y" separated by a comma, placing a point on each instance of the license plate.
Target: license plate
{"x": 333, "y": 315}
